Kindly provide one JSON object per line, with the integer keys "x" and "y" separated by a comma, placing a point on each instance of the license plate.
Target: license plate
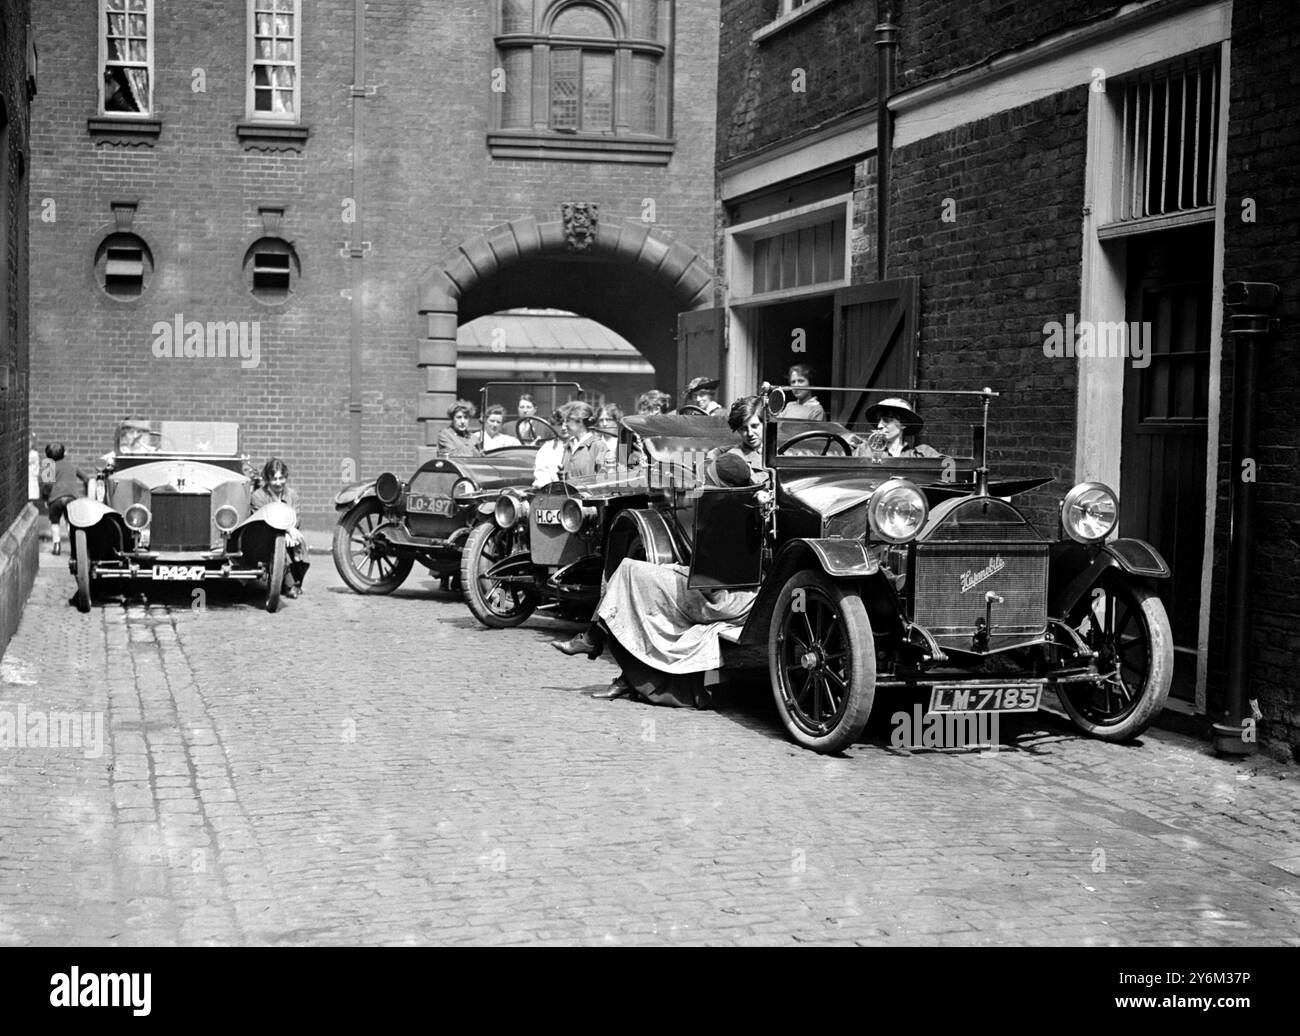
{"x": 548, "y": 516}
{"x": 442, "y": 505}
{"x": 956, "y": 697}
{"x": 179, "y": 572}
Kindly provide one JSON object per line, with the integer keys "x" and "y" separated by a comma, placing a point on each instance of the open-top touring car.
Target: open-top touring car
{"x": 386, "y": 525}
{"x": 172, "y": 505}
{"x": 546, "y": 547}
{"x": 879, "y": 574}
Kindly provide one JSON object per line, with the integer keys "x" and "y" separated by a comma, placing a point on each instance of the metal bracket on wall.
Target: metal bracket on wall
{"x": 363, "y": 91}
{"x": 351, "y": 251}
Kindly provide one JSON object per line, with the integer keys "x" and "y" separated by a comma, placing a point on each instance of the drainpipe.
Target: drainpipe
{"x": 886, "y": 44}
{"x": 357, "y": 247}
{"x": 1250, "y": 325}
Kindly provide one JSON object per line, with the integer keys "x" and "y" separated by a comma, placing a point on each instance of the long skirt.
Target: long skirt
{"x": 665, "y": 635}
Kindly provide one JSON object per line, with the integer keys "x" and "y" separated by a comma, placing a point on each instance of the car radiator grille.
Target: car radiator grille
{"x": 181, "y": 521}
{"x": 1016, "y": 572}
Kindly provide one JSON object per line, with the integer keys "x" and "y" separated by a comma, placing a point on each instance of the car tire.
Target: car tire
{"x": 816, "y": 617}
{"x": 1142, "y": 661}
{"x": 353, "y": 537}
{"x": 487, "y": 543}
{"x": 275, "y": 574}
{"x": 82, "y": 555}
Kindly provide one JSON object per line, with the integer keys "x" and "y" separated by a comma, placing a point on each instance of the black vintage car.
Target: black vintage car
{"x": 386, "y": 525}
{"x": 891, "y": 575}
{"x": 546, "y": 547}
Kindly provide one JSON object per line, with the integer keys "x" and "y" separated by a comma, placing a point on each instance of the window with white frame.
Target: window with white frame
{"x": 274, "y": 28}
{"x": 126, "y": 57}
{"x": 590, "y": 67}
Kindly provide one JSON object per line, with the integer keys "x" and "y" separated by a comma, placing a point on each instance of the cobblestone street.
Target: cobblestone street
{"x": 383, "y": 770}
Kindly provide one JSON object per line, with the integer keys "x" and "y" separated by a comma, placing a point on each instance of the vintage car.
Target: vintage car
{"x": 386, "y": 525}
{"x": 879, "y": 575}
{"x": 546, "y": 547}
{"x": 171, "y": 504}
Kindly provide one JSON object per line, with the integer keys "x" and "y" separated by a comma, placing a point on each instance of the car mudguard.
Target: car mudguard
{"x": 105, "y": 528}
{"x": 839, "y": 559}
{"x": 1076, "y": 567}
{"x": 660, "y": 546}
{"x": 349, "y": 495}
{"x": 256, "y": 533}
{"x": 85, "y": 513}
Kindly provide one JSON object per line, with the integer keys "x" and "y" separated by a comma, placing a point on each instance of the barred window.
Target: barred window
{"x": 126, "y": 46}
{"x": 594, "y": 68}
{"x": 273, "y": 80}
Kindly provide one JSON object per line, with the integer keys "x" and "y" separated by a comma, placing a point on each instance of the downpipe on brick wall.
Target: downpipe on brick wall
{"x": 886, "y": 45}
{"x": 357, "y": 247}
{"x": 1250, "y": 325}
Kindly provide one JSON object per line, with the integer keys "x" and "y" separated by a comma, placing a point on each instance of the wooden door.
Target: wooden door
{"x": 700, "y": 343}
{"x": 875, "y": 342}
{"x": 1166, "y": 406}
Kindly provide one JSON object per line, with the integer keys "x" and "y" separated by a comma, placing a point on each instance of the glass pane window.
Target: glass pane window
{"x": 598, "y": 91}
{"x": 565, "y": 65}
{"x": 275, "y": 58}
{"x": 127, "y": 74}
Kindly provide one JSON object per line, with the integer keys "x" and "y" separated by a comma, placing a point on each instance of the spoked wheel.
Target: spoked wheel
{"x": 275, "y": 574}
{"x": 365, "y": 562}
{"x": 83, "y": 570}
{"x": 822, "y": 659}
{"x": 1127, "y": 626}
{"x": 494, "y": 603}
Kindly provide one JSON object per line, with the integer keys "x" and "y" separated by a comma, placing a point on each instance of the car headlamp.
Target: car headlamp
{"x": 226, "y": 517}
{"x": 137, "y": 517}
{"x": 897, "y": 511}
{"x": 507, "y": 511}
{"x": 574, "y": 515}
{"x": 388, "y": 488}
{"x": 1089, "y": 512}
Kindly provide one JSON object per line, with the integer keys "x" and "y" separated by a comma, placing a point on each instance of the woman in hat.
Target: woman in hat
{"x": 700, "y": 393}
{"x": 900, "y": 425}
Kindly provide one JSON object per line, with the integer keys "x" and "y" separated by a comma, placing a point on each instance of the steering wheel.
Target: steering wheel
{"x": 535, "y": 420}
{"x": 691, "y": 408}
{"x": 830, "y": 437}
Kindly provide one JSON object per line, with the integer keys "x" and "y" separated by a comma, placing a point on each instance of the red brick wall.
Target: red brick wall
{"x": 991, "y": 278}
{"x": 14, "y": 351}
{"x": 1263, "y": 152}
{"x": 428, "y": 184}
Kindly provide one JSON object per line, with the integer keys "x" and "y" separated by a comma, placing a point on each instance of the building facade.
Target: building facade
{"x": 279, "y": 213}
{"x": 1069, "y": 189}
{"x": 18, "y": 542}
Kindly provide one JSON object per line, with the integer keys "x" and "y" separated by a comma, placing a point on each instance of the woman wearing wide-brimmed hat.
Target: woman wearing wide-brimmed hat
{"x": 901, "y": 426}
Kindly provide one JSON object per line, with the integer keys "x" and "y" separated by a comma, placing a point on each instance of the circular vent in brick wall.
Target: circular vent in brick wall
{"x": 123, "y": 266}
{"x": 271, "y": 270}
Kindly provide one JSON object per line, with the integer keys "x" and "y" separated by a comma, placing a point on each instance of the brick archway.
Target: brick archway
{"x": 670, "y": 265}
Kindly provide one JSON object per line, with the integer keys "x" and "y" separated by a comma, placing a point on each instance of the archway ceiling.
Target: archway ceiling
{"x": 619, "y": 295}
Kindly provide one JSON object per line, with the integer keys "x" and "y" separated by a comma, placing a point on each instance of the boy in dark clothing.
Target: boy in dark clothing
{"x": 66, "y": 485}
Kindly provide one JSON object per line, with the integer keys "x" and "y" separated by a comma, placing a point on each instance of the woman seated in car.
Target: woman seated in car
{"x": 550, "y": 454}
{"x": 584, "y": 453}
{"x": 458, "y": 440}
{"x": 746, "y": 418}
{"x": 664, "y": 634}
{"x": 900, "y": 425}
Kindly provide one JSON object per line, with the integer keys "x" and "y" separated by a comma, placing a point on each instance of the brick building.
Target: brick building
{"x": 1050, "y": 164}
{"x": 339, "y": 201}
{"x": 18, "y": 543}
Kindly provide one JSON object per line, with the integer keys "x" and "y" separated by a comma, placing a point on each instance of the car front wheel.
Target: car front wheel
{"x": 82, "y": 555}
{"x": 496, "y": 604}
{"x": 275, "y": 574}
{"x": 1126, "y": 625}
{"x": 822, "y": 660}
{"x": 364, "y": 561}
